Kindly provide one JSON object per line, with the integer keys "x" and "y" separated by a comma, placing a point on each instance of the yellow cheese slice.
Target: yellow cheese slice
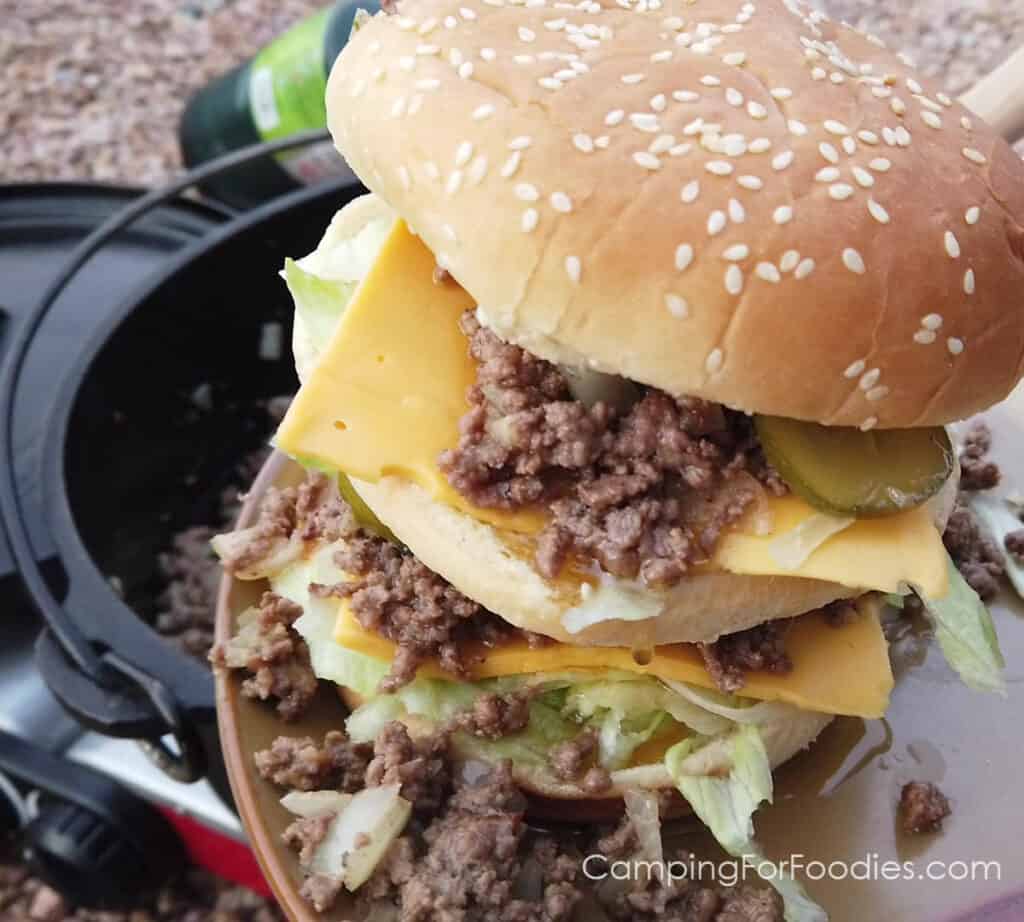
{"x": 842, "y": 670}
{"x": 388, "y": 393}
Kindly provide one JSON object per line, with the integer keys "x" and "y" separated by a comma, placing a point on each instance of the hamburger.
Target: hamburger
{"x": 626, "y": 389}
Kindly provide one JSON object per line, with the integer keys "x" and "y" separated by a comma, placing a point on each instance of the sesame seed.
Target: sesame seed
{"x": 735, "y": 59}
{"x": 878, "y": 212}
{"x": 868, "y": 137}
{"x": 673, "y": 23}
{"x": 790, "y": 260}
{"x": 358, "y": 88}
{"x": 431, "y": 170}
{"x": 783, "y": 214}
{"x": 966, "y": 123}
{"x": 509, "y": 167}
{"x": 855, "y": 370}
{"x": 454, "y": 182}
{"x": 902, "y": 136}
{"x": 973, "y": 215}
{"x": 914, "y": 86}
{"x": 554, "y": 25}
{"x": 931, "y": 119}
{"x": 797, "y": 127}
{"x": 869, "y": 424}
{"x": 841, "y": 191}
{"x": 477, "y": 170}
{"x": 526, "y": 35}
{"x": 716, "y": 223}
{"x": 685, "y": 96}
{"x": 415, "y": 104}
{"x": 463, "y": 153}
{"x": 398, "y": 107}
{"x": 403, "y": 178}
{"x": 602, "y": 141}
{"x": 782, "y": 161}
{"x": 768, "y": 273}
{"x": 924, "y": 337}
{"x": 759, "y": 146}
{"x": 566, "y": 74}
{"x": 756, "y": 110}
{"x": 955, "y": 345}
{"x": 677, "y": 306}
{"x": 854, "y": 261}
{"x": 583, "y": 142}
{"x": 683, "y": 257}
{"x": 829, "y": 152}
{"x": 659, "y": 57}
{"x": 929, "y": 104}
{"x": 527, "y": 192}
{"x": 737, "y": 213}
{"x": 426, "y": 27}
{"x": 407, "y": 63}
{"x": 631, "y": 79}
{"x": 662, "y": 143}
{"x": 709, "y": 80}
{"x": 869, "y": 379}
{"x": 863, "y": 177}
{"x": 482, "y": 112}
{"x": 819, "y": 73}
{"x": 850, "y": 146}
{"x": 529, "y": 220}
{"x": 465, "y": 70}
{"x": 877, "y": 393}
{"x": 690, "y": 192}
{"x": 898, "y": 106}
{"x": 837, "y": 77}
{"x": 952, "y": 245}
{"x": 969, "y": 282}
{"x": 734, "y": 97}
{"x": 889, "y": 136}
{"x": 975, "y": 156}
{"x": 713, "y": 362}
{"x": 521, "y": 142}
{"x": 428, "y": 84}
{"x": 450, "y": 22}
{"x": 734, "y": 145}
{"x": 736, "y": 253}
{"x": 550, "y": 83}
{"x": 573, "y": 269}
{"x": 881, "y": 92}
{"x": 734, "y": 280}
{"x": 782, "y": 93}
{"x": 719, "y": 167}
{"x": 645, "y": 121}
{"x": 466, "y": 13}
{"x": 659, "y": 103}
{"x": 647, "y": 160}
{"x": 449, "y": 232}
{"x": 488, "y": 54}
{"x": 405, "y": 23}
{"x": 837, "y": 128}
{"x": 427, "y": 50}
{"x": 944, "y": 99}
{"x": 827, "y": 174}
{"x": 931, "y": 321}
{"x": 881, "y": 165}
{"x": 805, "y": 268}
{"x": 561, "y": 202}
{"x": 754, "y": 183}
{"x": 614, "y": 117}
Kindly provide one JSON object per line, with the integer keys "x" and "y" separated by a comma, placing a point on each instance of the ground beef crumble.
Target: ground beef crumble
{"x": 923, "y": 807}
{"x": 645, "y": 492}
{"x": 977, "y": 472}
{"x": 267, "y": 646}
{"x": 299, "y": 763}
{"x": 758, "y": 649}
{"x": 573, "y": 760}
{"x": 418, "y": 765}
{"x": 1014, "y": 543}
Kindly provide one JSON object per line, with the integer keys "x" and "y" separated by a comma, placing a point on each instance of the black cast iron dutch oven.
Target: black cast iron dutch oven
{"x": 130, "y": 459}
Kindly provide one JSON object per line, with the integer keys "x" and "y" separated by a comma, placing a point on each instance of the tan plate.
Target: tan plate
{"x": 835, "y": 803}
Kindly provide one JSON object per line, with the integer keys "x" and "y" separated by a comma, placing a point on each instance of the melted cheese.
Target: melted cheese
{"x": 388, "y": 393}
{"x": 835, "y": 670}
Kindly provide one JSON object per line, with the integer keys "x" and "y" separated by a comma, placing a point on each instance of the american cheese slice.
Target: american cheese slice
{"x": 842, "y": 670}
{"x": 388, "y": 393}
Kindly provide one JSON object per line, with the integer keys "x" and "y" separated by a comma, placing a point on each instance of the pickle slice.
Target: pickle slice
{"x": 363, "y": 513}
{"x": 847, "y": 472}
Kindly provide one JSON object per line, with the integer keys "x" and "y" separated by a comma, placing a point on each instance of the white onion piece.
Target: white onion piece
{"x": 791, "y": 550}
{"x": 592, "y": 386}
{"x": 378, "y": 814}
{"x": 230, "y": 546}
{"x": 642, "y": 809}
{"x": 314, "y": 803}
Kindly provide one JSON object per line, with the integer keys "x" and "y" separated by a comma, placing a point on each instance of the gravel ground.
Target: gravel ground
{"x": 92, "y": 90}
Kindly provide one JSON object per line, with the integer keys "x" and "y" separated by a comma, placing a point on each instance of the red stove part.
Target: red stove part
{"x": 226, "y": 857}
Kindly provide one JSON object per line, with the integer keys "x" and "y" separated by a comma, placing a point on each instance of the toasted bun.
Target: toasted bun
{"x": 556, "y": 162}
{"x": 549, "y": 794}
{"x": 475, "y": 558}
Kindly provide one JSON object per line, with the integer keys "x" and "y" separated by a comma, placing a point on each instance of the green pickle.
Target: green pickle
{"x": 363, "y": 513}
{"x": 847, "y": 472}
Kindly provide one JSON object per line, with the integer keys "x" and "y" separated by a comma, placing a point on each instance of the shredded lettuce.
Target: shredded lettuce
{"x": 320, "y": 302}
{"x": 612, "y": 600}
{"x": 964, "y": 629}
{"x": 726, "y": 805}
{"x": 792, "y": 549}
{"x": 999, "y": 518}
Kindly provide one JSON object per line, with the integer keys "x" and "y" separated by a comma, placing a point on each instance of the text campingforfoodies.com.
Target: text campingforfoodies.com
{"x": 729, "y": 873}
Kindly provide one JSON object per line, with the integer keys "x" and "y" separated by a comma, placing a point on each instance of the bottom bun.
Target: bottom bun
{"x": 560, "y": 801}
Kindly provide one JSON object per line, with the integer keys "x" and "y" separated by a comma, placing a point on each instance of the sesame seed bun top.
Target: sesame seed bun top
{"x": 740, "y": 201}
